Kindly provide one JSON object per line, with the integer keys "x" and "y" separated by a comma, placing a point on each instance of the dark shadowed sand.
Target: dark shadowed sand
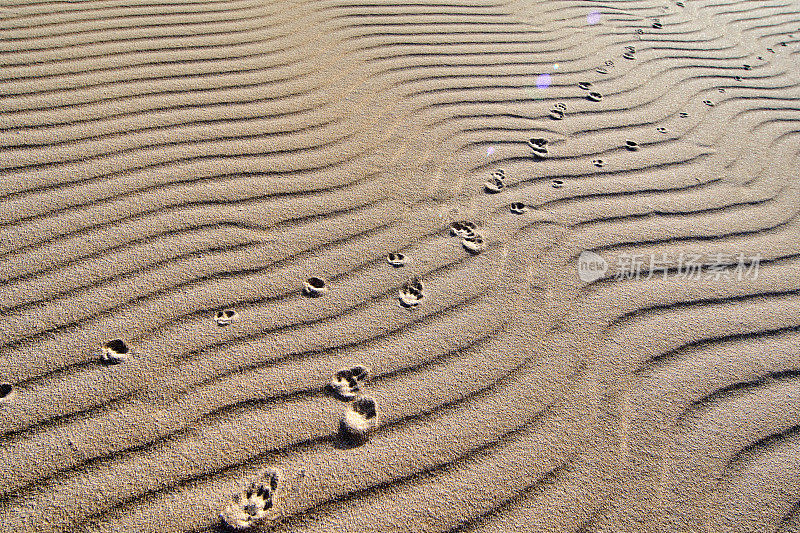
{"x": 218, "y": 184}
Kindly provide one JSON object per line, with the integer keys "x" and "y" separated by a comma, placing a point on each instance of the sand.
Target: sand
{"x": 219, "y": 186}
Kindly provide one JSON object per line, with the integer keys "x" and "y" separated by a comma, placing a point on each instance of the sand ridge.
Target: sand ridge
{"x": 253, "y": 196}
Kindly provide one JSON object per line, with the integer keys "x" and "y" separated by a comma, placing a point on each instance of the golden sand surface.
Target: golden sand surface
{"x": 219, "y": 184}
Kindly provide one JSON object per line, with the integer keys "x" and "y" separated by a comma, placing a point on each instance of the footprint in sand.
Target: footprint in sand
{"x": 359, "y": 419}
{"x": 346, "y": 383}
{"x": 539, "y": 146}
{"x": 6, "y": 392}
{"x": 598, "y": 163}
{"x": 683, "y": 114}
{"x": 257, "y": 503}
{"x": 556, "y": 184}
{"x": 709, "y": 103}
{"x": 474, "y": 244}
{"x": 594, "y": 96}
{"x": 585, "y": 85}
{"x": 495, "y": 183}
{"x": 657, "y": 25}
{"x": 661, "y": 130}
{"x": 226, "y": 317}
{"x": 115, "y": 351}
{"x": 629, "y": 56}
{"x": 462, "y": 228}
{"x": 557, "y": 113}
{"x": 396, "y": 259}
{"x": 632, "y": 145}
{"x": 518, "y": 208}
{"x": 601, "y": 70}
{"x": 411, "y": 292}
{"x": 746, "y": 67}
{"x": 314, "y": 287}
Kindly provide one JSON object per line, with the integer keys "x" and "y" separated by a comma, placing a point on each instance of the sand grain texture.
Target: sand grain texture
{"x": 162, "y": 161}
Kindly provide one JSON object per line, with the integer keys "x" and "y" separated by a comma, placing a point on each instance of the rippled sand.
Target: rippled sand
{"x": 163, "y": 162}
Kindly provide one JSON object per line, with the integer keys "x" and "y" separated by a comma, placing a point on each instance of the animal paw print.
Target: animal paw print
{"x": 396, "y": 259}
{"x": 255, "y": 504}
{"x": 346, "y": 383}
{"x": 6, "y": 392}
{"x": 632, "y": 145}
{"x": 462, "y": 229}
{"x": 557, "y": 113}
{"x": 225, "y": 317}
{"x": 115, "y": 351}
{"x": 709, "y": 103}
{"x": 411, "y": 293}
{"x": 594, "y": 96}
{"x": 314, "y": 287}
{"x": 539, "y": 146}
{"x": 680, "y": 4}
{"x": 359, "y": 419}
{"x": 556, "y": 184}
{"x": 721, "y": 90}
{"x": 496, "y": 183}
{"x": 661, "y": 130}
{"x": 683, "y": 114}
{"x": 518, "y": 208}
{"x": 607, "y": 65}
{"x": 585, "y": 85}
{"x": 657, "y": 24}
{"x": 746, "y": 67}
{"x": 474, "y": 244}
{"x": 630, "y": 53}
{"x": 599, "y": 163}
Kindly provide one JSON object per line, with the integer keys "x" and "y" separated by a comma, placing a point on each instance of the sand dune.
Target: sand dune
{"x": 161, "y": 162}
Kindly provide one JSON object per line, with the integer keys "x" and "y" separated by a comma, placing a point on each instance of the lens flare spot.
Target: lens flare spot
{"x": 593, "y": 17}
{"x": 543, "y": 81}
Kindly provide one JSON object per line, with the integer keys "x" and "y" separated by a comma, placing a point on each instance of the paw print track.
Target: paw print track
{"x": 539, "y": 146}
{"x": 411, "y": 293}
{"x": 226, "y": 317}
{"x": 556, "y": 184}
{"x": 474, "y": 244}
{"x": 632, "y": 145}
{"x": 115, "y": 351}
{"x": 6, "y": 392}
{"x": 518, "y": 208}
{"x": 359, "y": 419}
{"x": 594, "y": 96}
{"x": 396, "y": 259}
{"x": 314, "y": 287}
{"x": 462, "y": 228}
{"x": 599, "y": 163}
{"x": 495, "y": 183}
{"x": 346, "y": 383}
{"x": 585, "y": 85}
{"x": 256, "y": 504}
{"x": 557, "y": 113}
